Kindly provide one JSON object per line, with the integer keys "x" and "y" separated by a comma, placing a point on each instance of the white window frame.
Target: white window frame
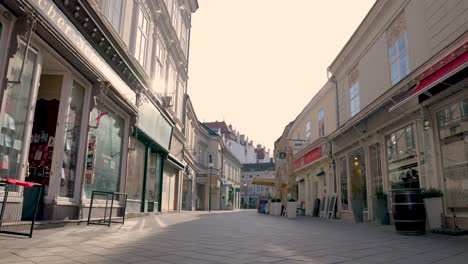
{"x": 321, "y": 122}
{"x": 108, "y": 9}
{"x": 142, "y": 33}
{"x": 397, "y": 57}
{"x": 307, "y": 130}
{"x": 354, "y": 100}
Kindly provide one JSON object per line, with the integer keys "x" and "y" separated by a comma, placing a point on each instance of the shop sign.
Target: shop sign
{"x": 298, "y": 164}
{"x": 153, "y": 123}
{"x": 313, "y": 155}
{"x": 90, "y": 159}
{"x": 56, "y": 17}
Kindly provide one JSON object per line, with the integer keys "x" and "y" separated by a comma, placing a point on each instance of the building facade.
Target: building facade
{"x": 257, "y": 183}
{"x": 239, "y": 144}
{"x": 400, "y": 96}
{"x": 84, "y": 101}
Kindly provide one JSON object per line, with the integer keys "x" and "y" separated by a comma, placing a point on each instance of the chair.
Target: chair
{"x": 301, "y": 210}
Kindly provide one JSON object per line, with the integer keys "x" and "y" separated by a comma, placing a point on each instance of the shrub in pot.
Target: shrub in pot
{"x": 380, "y": 206}
{"x": 357, "y": 203}
{"x": 434, "y": 207}
{"x": 291, "y": 207}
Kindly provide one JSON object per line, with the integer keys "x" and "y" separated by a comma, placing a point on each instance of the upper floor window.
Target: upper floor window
{"x": 308, "y": 131}
{"x": 141, "y": 40}
{"x": 398, "y": 54}
{"x": 160, "y": 58}
{"x": 321, "y": 122}
{"x": 112, "y": 10}
{"x": 354, "y": 99}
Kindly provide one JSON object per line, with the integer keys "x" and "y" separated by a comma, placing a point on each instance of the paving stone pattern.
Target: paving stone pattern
{"x": 231, "y": 237}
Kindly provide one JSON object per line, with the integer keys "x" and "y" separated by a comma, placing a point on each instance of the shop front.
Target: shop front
{"x": 65, "y": 112}
{"x": 442, "y": 95}
{"x": 149, "y": 146}
{"x": 313, "y": 172}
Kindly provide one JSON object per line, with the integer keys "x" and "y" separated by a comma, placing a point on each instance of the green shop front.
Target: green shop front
{"x": 149, "y": 147}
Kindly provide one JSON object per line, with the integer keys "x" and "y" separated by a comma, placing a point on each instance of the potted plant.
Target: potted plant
{"x": 357, "y": 203}
{"x": 291, "y": 207}
{"x": 379, "y": 202}
{"x": 434, "y": 207}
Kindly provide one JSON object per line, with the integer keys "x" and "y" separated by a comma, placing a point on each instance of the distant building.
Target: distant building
{"x": 257, "y": 182}
{"x": 239, "y": 144}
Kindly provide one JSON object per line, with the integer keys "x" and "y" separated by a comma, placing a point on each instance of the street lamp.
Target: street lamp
{"x": 210, "y": 165}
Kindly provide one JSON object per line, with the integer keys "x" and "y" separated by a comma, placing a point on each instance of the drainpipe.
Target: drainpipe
{"x": 332, "y": 79}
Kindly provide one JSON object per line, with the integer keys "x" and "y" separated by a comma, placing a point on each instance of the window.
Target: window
{"x": 398, "y": 54}
{"x": 109, "y": 146}
{"x": 159, "y": 61}
{"x": 175, "y": 14}
{"x": 72, "y": 140}
{"x": 308, "y": 131}
{"x": 344, "y": 183}
{"x": 321, "y": 122}
{"x": 409, "y": 137}
{"x": 112, "y": 10}
{"x": 141, "y": 40}
{"x": 354, "y": 99}
{"x": 179, "y": 99}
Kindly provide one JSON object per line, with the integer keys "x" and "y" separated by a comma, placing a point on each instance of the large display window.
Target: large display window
{"x": 453, "y": 133}
{"x": 14, "y": 114}
{"x": 136, "y": 170}
{"x": 108, "y": 130}
{"x": 402, "y": 159}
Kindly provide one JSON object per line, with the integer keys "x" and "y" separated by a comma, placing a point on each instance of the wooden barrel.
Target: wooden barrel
{"x": 408, "y": 212}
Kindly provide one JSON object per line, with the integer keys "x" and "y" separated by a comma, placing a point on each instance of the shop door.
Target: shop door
{"x": 153, "y": 182}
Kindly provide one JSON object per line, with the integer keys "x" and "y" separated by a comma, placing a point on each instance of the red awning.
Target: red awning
{"x": 454, "y": 66}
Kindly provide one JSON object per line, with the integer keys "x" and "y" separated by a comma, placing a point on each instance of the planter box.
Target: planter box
{"x": 292, "y": 207}
{"x": 267, "y": 208}
{"x": 275, "y": 209}
{"x": 434, "y": 209}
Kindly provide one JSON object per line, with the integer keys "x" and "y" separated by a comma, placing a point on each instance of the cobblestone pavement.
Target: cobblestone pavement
{"x": 231, "y": 237}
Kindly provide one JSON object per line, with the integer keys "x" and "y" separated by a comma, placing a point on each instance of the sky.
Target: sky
{"x": 256, "y": 63}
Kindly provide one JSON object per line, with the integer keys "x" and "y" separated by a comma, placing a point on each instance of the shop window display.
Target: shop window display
{"x": 402, "y": 159}
{"x": 14, "y": 112}
{"x": 453, "y": 133}
{"x": 72, "y": 140}
{"x": 108, "y": 130}
{"x": 136, "y": 164}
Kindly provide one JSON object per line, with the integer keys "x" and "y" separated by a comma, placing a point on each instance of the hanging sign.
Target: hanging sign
{"x": 90, "y": 159}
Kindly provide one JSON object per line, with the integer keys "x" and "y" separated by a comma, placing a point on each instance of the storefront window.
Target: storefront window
{"x": 344, "y": 183}
{"x": 453, "y": 132}
{"x": 402, "y": 159}
{"x": 72, "y": 140}
{"x": 14, "y": 112}
{"x": 375, "y": 168}
{"x": 109, "y": 131}
{"x": 136, "y": 163}
{"x": 357, "y": 176}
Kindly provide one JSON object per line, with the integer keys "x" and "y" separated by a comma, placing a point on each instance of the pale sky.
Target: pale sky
{"x": 257, "y": 63}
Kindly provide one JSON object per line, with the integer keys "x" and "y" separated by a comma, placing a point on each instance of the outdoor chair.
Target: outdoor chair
{"x": 301, "y": 210}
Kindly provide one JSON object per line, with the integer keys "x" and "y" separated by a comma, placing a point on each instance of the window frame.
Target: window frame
{"x": 395, "y": 77}
{"x": 140, "y": 46}
{"x": 321, "y": 122}
{"x": 354, "y": 99}
{"x": 106, "y": 6}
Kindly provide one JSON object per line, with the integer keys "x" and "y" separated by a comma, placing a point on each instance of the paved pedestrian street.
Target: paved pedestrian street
{"x": 231, "y": 237}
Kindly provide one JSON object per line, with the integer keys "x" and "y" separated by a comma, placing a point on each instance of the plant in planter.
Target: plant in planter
{"x": 357, "y": 203}
{"x": 292, "y": 207}
{"x": 434, "y": 207}
{"x": 380, "y": 206}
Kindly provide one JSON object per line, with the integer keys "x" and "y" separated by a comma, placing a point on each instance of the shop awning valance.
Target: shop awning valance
{"x": 264, "y": 181}
{"x": 454, "y": 66}
{"x": 322, "y": 173}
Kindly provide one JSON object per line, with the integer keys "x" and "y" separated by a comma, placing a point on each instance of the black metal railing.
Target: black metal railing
{"x": 18, "y": 214}
{"x": 106, "y": 204}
